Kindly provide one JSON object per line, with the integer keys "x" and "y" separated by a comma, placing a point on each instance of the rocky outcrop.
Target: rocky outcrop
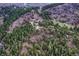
{"x": 1, "y": 20}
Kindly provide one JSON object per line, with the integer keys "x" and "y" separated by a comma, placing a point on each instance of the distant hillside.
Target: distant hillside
{"x": 23, "y": 4}
{"x": 67, "y": 13}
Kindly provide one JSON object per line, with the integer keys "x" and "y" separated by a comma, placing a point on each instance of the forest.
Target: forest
{"x": 47, "y": 39}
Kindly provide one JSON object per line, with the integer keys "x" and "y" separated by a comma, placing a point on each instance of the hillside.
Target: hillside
{"x": 67, "y": 13}
{"x": 53, "y": 31}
